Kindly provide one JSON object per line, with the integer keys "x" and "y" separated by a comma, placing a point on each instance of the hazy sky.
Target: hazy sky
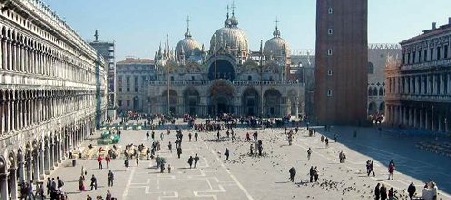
{"x": 138, "y": 26}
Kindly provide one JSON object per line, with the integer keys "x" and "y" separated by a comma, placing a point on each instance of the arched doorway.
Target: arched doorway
{"x": 382, "y": 107}
{"x": 221, "y": 95}
{"x": 191, "y": 99}
{"x": 135, "y": 103}
{"x": 293, "y": 103}
{"x": 250, "y": 102}
{"x": 272, "y": 103}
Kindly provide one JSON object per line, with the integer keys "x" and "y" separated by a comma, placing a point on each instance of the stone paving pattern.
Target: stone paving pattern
{"x": 266, "y": 177}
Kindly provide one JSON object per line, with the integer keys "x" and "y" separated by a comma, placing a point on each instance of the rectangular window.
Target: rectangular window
{"x": 413, "y": 57}
{"x": 192, "y": 78}
{"x": 425, "y": 56}
{"x": 445, "y": 51}
{"x": 329, "y": 52}
{"x": 432, "y": 55}
{"x": 128, "y": 102}
{"x": 120, "y": 89}
{"x": 329, "y": 93}
{"x": 419, "y": 56}
{"x": 136, "y": 89}
{"x": 408, "y": 58}
{"x": 404, "y": 58}
{"x": 128, "y": 89}
{"x": 119, "y": 102}
{"x": 439, "y": 51}
{"x": 136, "y": 81}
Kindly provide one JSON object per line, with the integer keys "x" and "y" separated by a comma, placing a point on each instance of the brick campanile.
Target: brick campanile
{"x": 341, "y": 59}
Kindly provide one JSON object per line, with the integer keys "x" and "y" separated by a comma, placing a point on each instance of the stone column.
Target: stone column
{"x": 4, "y": 186}
{"x": 415, "y": 117}
{"x": 440, "y": 123}
{"x": 47, "y": 154}
{"x": 36, "y": 176}
{"x": 41, "y": 162}
{"x": 449, "y": 83}
{"x": 12, "y": 115}
{"x": 52, "y": 154}
{"x": 426, "y": 120}
{"x": 13, "y": 182}
{"x": 434, "y": 84}
{"x": 29, "y": 166}
{"x": 20, "y": 167}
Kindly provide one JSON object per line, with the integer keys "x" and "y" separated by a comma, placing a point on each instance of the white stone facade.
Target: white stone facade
{"x": 52, "y": 92}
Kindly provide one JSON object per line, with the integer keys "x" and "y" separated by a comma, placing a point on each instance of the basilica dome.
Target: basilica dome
{"x": 229, "y": 37}
{"x": 276, "y": 47}
{"x": 187, "y": 46}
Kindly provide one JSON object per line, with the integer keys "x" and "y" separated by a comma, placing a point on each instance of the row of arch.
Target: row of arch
{"x": 374, "y": 91}
{"x": 20, "y": 109}
{"x": 34, "y": 159}
{"x": 374, "y": 107}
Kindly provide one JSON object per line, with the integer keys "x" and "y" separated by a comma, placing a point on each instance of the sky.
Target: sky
{"x": 138, "y": 26}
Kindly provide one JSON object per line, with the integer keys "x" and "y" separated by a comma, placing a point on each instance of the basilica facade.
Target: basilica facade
{"x": 226, "y": 78}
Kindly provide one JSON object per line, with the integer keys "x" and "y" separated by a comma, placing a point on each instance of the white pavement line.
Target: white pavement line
{"x": 129, "y": 182}
{"x": 232, "y": 176}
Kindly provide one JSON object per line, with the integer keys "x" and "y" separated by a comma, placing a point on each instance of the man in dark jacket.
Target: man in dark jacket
{"x": 411, "y": 190}
{"x": 292, "y": 172}
{"x": 377, "y": 191}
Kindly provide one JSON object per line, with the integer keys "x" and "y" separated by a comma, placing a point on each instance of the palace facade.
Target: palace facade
{"x": 418, "y": 85}
{"x": 53, "y": 92}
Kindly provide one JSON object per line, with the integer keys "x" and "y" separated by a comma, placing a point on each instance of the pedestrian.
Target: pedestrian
{"x": 189, "y": 136}
{"x": 153, "y": 135}
{"x": 309, "y": 153}
{"x": 40, "y": 191}
{"x": 383, "y": 191}
{"x": 391, "y": 194}
{"x": 107, "y": 160}
{"x": 81, "y": 184}
{"x": 233, "y": 135}
{"x": 391, "y": 169}
{"x": 292, "y": 172}
{"x": 315, "y": 174}
{"x": 99, "y": 159}
{"x": 161, "y": 136}
{"x": 377, "y": 191}
{"x": 126, "y": 163}
{"x": 110, "y": 178}
{"x": 169, "y": 168}
{"x": 411, "y": 190}
{"x": 137, "y": 160}
{"x": 251, "y": 149}
{"x": 49, "y": 185}
{"x": 195, "y": 136}
{"x": 108, "y": 195}
{"x": 59, "y": 182}
{"x": 88, "y": 197}
{"x": 93, "y": 182}
{"x": 196, "y": 158}
{"x": 190, "y": 161}
{"x": 226, "y": 153}
{"x": 312, "y": 173}
{"x": 217, "y": 136}
{"x": 170, "y": 146}
{"x": 342, "y": 157}
{"x": 179, "y": 152}
{"x": 326, "y": 142}
{"x": 147, "y": 135}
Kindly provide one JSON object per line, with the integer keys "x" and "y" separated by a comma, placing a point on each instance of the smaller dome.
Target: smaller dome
{"x": 234, "y": 21}
{"x": 276, "y": 47}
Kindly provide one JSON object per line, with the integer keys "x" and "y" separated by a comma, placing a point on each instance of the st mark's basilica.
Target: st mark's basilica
{"x": 226, "y": 78}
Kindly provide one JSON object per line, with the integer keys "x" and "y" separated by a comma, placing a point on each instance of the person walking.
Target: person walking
{"x": 292, "y": 172}
{"x": 391, "y": 170}
{"x": 179, "y": 152}
{"x": 311, "y": 173}
{"x": 59, "y": 182}
{"x": 383, "y": 192}
{"x": 227, "y": 153}
{"x": 147, "y": 135}
{"x": 377, "y": 191}
{"x": 190, "y": 161}
{"x": 309, "y": 153}
{"x": 161, "y": 136}
{"x": 195, "y": 136}
{"x": 99, "y": 159}
{"x": 189, "y": 136}
{"x": 107, "y": 160}
{"x": 196, "y": 158}
{"x": 110, "y": 178}
{"x": 108, "y": 195}
{"x": 411, "y": 190}
{"x": 93, "y": 182}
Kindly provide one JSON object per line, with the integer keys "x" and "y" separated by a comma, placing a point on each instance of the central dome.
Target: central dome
{"x": 230, "y": 37}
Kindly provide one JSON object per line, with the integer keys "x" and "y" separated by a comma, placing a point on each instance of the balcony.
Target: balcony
{"x": 420, "y": 97}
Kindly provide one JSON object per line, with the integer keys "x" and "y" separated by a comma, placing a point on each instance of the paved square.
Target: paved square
{"x": 253, "y": 177}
